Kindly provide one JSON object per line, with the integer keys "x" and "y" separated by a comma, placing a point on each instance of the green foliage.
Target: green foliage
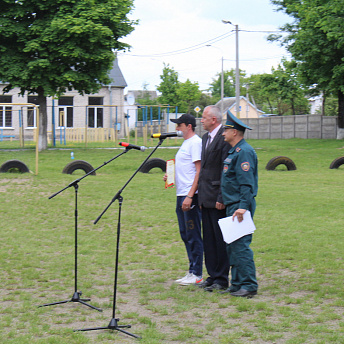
{"x": 204, "y": 100}
{"x": 48, "y": 47}
{"x": 184, "y": 95}
{"x": 168, "y": 86}
{"x": 152, "y": 112}
{"x": 188, "y": 92}
{"x": 331, "y": 107}
{"x": 315, "y": 40}
{"x": 228, "y": 84}
{"x": 280, "y": 92}
{"x": 147, "y": 108}
{"x": 59, "y": 45}
{"x": 132, "y": 133}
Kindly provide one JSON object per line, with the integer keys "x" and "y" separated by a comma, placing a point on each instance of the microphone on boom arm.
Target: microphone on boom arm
{"x": 130, "y": 146}
{"x": 165, "y": 135}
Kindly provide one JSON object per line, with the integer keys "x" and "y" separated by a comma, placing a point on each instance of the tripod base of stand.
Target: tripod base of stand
{"x": 75, "y": 298}
{"x": 113, "y": 325}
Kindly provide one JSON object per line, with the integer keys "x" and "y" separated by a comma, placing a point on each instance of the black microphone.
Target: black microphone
{"x": 130, "y": 146}
{"x": 164, "y": 135}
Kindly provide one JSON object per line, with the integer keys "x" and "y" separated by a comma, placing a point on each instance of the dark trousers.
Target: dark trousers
{"x": 240, "y": 256}
{"x": 215, "y": 255}
{"x": 190, "y": 232}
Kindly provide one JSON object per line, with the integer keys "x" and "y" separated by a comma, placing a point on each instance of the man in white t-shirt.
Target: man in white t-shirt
{"x": 187, "y": 168}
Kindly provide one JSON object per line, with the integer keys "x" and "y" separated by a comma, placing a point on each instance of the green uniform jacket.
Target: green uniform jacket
{"x": 239, "y": 182}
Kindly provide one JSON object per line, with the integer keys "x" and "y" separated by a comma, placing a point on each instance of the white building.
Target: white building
{"x": 104, "y": 109}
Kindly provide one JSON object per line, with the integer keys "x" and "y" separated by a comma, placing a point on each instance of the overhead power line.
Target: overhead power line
{"x": 197, "y": 46}
{"x": 261, "y": 31}
{"x": 188, "y": 49}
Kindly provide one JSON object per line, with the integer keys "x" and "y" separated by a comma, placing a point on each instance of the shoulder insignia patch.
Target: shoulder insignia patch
{"x": 225, "y": 168}
{"x": 245, "y": 166}
{"x": 238, "y": 149}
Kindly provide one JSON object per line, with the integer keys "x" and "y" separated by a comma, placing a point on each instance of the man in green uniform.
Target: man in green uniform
{"x": 239, "y": 185}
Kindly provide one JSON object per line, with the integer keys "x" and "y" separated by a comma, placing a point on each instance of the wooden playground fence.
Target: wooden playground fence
{"x": 97, "y": 135}
{"x": 84, "y": 135}
{"x": 93, "y": 134}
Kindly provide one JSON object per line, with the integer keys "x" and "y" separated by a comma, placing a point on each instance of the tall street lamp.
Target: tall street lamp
{"x": 222, "y": 79}
{"x": 237, "y": 81}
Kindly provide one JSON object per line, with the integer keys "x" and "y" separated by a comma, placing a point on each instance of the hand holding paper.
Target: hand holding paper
{"x": 170, "y": 170}
{"x": 233, "y": 230}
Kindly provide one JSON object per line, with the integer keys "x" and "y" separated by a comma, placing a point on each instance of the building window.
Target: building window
{"x": 31, "y": 111}
{"x": 66, "y": 112}
{"x": 5, "y": 112}
{"x": 95, "y": 112}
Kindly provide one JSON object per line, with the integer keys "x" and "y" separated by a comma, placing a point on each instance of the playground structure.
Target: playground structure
{"x": 83, "y": 123}
{"x": 139, "y": 122}
{"x": 7, "y": 121}
{"x": 19, "y": 122}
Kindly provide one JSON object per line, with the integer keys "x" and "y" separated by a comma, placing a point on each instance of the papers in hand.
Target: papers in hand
{"x": 233, "y": 230}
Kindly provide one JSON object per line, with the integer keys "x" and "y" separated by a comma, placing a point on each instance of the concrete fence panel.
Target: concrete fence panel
{"x": 278, "y": 127}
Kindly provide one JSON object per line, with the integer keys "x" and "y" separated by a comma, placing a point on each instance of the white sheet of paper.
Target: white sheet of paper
{"x": 233, "y": 230}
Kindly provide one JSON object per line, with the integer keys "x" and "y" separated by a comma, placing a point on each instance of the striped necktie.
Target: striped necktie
{"x": 208, "y": 142}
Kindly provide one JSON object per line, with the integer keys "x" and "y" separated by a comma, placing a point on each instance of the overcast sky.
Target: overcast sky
{"x": 177, "y": 32}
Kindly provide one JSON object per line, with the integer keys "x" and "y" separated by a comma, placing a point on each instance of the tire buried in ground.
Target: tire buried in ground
{"x": 337, "y": 162}
{"x": 280, "y": 160}
{"x": 78, "y": 165}
{"x": 14, "y": 166}
{"x": 153, "y": 163}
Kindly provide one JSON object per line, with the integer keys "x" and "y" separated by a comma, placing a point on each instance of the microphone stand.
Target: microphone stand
{"x": 77, "y": 294}
{"x": 113, "y": 324}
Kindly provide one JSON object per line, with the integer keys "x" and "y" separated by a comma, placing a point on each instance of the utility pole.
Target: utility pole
{"x": 222, "y": 77}
{"x": 222, "y": 86}
{"x": 237, "y": 80}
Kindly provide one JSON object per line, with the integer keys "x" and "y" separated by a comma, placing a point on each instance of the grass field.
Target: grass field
{"x": 298, "y": 246}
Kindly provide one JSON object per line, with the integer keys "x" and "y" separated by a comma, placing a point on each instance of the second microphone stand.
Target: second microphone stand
{"x": 113, "y": 324}
{"x": 77, "y": 294}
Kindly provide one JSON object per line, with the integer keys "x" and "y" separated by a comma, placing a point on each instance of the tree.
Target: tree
{"x": 316, "y": 41}
{"x": 204, "y": 100}
{"x": 280, "y": 92}
{"x": 261, "y": 89}
{"x": 48, "y": 47}
{"x": 289, "y": 90}
{"x": 228, "y": 84}
{"x": 329, "y": 107}
{"x": 168, "y": 86}
{"x": 176, "y": 93}
{"x": 148, "y": 106}
{"x": 188, "y": 92}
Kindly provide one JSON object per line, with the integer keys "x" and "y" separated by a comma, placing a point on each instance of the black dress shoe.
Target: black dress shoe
{"x": 225, "y": 291}
{"x": 204, "y": 284}
{"x": 229, "y": 290}
{"x": 214, "y": 286}
{"x": 244, "y": 293}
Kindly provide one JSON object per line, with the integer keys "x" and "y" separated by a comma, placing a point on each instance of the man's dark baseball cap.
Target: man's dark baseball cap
{"x": 186, "y": 118}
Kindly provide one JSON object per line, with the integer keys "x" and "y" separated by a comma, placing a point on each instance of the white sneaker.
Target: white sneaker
{"x": 183, "y": 278}
{"x": 193, "y": 279}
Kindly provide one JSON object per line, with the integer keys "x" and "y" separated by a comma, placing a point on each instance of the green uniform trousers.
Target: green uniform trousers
{"x": 240, "y": 255}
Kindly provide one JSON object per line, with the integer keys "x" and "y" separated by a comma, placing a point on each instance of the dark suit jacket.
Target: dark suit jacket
{"x": 209, "y": 191}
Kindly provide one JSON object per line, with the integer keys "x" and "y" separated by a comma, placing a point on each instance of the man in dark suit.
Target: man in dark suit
{"x": 214, "y": 152}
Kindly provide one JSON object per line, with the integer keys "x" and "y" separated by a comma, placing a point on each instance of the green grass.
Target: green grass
{"x": 150, "y": 142}
{"x": 298, "y": 250}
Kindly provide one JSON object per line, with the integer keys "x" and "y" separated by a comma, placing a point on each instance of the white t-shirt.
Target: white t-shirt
{"x": 188, "y": 153}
